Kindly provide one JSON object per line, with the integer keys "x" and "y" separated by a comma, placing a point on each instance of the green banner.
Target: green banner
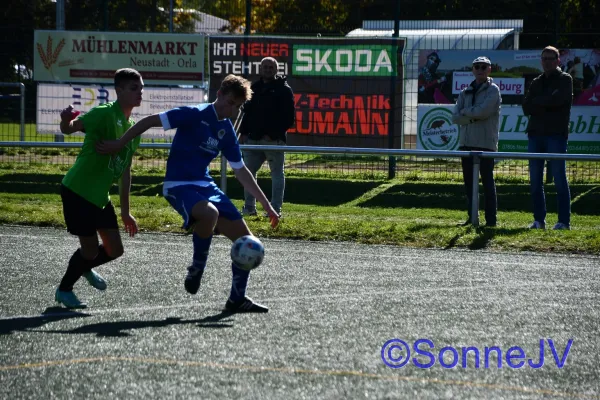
{"x": 344, "y": 60}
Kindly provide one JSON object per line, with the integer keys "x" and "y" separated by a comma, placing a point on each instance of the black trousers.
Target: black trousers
{"x": 486, "y": 171}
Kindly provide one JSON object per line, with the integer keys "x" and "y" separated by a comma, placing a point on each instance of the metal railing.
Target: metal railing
{"x": 476, "y": 155}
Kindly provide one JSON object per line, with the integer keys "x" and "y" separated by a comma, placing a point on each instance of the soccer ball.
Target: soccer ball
{"x": 247, "y": 252}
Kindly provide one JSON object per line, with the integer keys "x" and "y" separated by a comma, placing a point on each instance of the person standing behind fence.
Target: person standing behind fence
{"x": 85, "y": 188}
{"x": 267, "y": 117}
{"x": 477, "y": 112}
{"x": 548, "y": 106}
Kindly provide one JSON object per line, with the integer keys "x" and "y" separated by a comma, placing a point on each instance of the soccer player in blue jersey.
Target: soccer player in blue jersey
{"x": 202, "y": 132}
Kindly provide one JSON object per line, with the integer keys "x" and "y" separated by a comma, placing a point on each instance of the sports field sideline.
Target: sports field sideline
{"x": 332, "y": 308}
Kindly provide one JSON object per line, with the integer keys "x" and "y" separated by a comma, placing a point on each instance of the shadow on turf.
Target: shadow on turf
{"x": 510, "y": 197}
{"x": 484, "y": 236}
{"x": 121, "y": 328}
{"x": 51, "y": 314}
{"x": 334, "y": 192}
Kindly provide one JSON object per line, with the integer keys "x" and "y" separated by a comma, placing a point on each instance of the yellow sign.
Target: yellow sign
{"x": 161, "y": 58}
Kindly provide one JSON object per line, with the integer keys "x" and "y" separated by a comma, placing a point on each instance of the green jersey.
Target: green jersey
{"x": 93, "y": 174}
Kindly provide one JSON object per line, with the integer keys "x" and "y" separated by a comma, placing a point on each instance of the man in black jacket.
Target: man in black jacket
{"x": 548, "y": 106}
{"x": 267, "y": 117}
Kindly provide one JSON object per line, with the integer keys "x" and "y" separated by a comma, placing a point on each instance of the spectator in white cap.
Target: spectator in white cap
{"x": 477, "y": 112}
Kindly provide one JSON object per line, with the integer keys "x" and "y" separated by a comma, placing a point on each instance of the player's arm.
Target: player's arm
{"x": 115, "y": 146}
{"x": 129, "y": 222}
{"x": 68, "y": 123}
{"x": 249, "y": 183}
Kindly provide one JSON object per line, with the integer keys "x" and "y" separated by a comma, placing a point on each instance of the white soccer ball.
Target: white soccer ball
{"x": 247, "y": 252}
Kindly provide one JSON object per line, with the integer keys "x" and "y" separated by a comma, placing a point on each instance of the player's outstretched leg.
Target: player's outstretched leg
{"x": 64, "y": 293}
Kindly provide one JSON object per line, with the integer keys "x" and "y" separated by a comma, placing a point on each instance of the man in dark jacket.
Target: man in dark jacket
{"x": 548, "y": 106}
{"x": 267, "y": 117}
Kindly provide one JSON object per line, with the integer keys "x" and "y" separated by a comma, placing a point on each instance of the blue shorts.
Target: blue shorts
{"x": 184, "y": 197}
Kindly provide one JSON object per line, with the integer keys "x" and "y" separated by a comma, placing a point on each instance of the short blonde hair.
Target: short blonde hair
{"x": 238, "y": 86}
{"x": 551, "y": 49}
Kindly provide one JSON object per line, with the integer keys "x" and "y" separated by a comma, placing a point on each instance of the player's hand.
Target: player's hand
{"x": 273, "y": 218}
{"x": 130, "y": 224}
{"x": 69, "y": 114}
{"x": 108, "y": 147}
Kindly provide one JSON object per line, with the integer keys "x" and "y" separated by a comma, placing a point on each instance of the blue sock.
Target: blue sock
{"x": 239, "y": 283}
{"x": 201, "y": 247}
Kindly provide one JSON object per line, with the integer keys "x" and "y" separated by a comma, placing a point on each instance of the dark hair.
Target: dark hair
{"x": 238, "y": 86}
{"x": 124, "y": 75}
{"x": 434, "y": 54}
{"x": 551, "y": 49}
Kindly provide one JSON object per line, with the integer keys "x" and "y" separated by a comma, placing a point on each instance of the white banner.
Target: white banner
{"x": 461, "y": 80}
{"x": 53, "y": 98}
{"x": 435, "y": 130}
{"x": 93, "y": 57}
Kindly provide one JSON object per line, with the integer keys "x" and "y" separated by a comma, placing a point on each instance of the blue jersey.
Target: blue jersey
{"x": 199, "y": 138}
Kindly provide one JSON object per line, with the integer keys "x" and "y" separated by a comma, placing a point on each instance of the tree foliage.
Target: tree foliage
{"x": 573, "y": 20}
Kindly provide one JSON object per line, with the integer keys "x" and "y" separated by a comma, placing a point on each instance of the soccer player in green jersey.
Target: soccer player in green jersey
{"x": 85, "y": 188}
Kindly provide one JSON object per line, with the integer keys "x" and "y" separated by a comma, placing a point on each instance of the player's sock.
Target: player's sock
{"x": 201, "y": 249}
{"x": 101, "y": 258}
{"x": 239, "y": 283}
{"x": 76, "y": 268}
{"x": 195, "y": 271}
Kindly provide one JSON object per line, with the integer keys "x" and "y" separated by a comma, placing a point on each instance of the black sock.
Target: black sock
{"x": 79, "y": 266}
{"x": 101, "y": 258}
{"x": 75, "y": 269}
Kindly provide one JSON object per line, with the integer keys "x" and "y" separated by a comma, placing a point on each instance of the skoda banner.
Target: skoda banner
{"x": 345, "y": 90}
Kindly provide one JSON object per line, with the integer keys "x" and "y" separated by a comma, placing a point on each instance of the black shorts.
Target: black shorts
{"x": 84, "y": 218}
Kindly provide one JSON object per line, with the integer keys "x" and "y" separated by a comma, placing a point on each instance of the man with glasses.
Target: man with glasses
{"x": 477, "y": 112}
{"x": 548, "y": 106}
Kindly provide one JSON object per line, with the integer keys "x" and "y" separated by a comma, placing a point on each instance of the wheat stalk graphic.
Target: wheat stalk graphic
{"x": 50, "y": 57}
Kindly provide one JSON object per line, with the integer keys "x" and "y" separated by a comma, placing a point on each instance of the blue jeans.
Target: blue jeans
{"x": 558, "y": 168}
{"x": 276, "y": 159}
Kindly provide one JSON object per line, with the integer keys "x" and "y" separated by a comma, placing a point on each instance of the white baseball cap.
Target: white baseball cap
{"x": 482, "y": 60}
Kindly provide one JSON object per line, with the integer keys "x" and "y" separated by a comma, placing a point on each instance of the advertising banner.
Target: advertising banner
{"x": 93, "y": 57}
{"x": 435, "y": 130}
{"x": 344, "y": 89}
{"x": 53, "y": 98}
{"x": 444, "y": 73}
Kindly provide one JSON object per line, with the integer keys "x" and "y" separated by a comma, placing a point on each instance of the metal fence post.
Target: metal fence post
{"x": 22, "y": 133}
{"x": 223, "y": 174}
{"x": 475, "y": 191}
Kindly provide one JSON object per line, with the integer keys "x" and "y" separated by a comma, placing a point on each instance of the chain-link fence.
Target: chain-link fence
{"x": 329, "y": 19}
